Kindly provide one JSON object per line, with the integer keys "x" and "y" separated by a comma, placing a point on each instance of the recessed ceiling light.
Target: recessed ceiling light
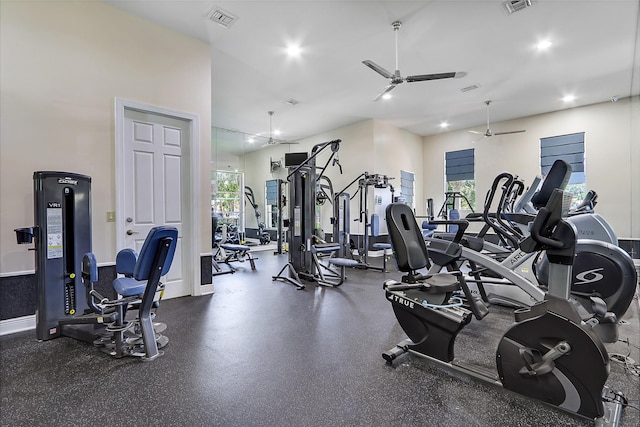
{"x": 251, "y": 140}
{"x": 544, "y": 45}
{"x": 294, "y": 51}
{"x": 569, "y": 98}
{"x": 277, "y": 132}
{"x": 444, "y": 125}
{"x": 386, "y": 96}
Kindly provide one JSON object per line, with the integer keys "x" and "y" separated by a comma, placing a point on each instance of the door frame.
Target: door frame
{"x": 191, "y": 194}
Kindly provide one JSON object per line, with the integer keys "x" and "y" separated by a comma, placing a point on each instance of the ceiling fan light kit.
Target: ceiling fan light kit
{"x": 396, "y": 78}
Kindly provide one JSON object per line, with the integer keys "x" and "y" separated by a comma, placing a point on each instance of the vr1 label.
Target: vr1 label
{"x": 54, "y": 231}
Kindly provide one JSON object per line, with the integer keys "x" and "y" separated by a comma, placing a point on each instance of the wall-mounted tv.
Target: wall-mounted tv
{"x": 294, "y": 159}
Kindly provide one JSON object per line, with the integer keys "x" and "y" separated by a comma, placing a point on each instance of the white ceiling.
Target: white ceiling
{"x": 595, "y": 56}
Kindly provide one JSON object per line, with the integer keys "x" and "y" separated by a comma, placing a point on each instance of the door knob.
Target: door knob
{"x": 131, "y": 232}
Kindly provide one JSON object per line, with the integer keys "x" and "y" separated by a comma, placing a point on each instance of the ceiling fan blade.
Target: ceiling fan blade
{"x": 437, "y": 76}
{"x": 378, "y": 69}
{"x": 387, "y": 89}
{"x": 476, "y": 132}
{"x": 506, "y": 133}
{"x": 480, "y": 139}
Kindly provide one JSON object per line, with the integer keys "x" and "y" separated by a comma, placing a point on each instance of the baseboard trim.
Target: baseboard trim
{"x": 18, "y": 324}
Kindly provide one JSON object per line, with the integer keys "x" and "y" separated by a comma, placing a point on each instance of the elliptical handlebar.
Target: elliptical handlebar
{"x": 506, "y": 233}
{"x": 513, "y": 185}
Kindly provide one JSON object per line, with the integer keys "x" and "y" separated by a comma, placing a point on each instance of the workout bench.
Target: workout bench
{"x": 232, "y": 252}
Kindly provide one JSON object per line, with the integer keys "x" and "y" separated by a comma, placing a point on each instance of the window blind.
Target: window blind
{"x": 406, "y": 186}
{"x": 459, "y": 165}
{"x": 569, "y": 148}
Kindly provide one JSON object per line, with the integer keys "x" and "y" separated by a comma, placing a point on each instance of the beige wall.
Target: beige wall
{"x": 395, "y": 150}
{"x": 355, "y": 156}
{"x": 611, "y": 151}
{"x": 61, "y": 66}
{"x": 370, "y": 145}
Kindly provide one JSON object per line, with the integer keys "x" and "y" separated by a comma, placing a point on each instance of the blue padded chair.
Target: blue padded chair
{"x": 153, "y": 262}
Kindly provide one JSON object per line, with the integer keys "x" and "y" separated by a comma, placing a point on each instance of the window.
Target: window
{"x": 459, "y": 171}
{"x": 271, "y": 203}
{"x": 569, "y": 148}
{"x": 406, "y": 187}
{"x": 226, "y": 200}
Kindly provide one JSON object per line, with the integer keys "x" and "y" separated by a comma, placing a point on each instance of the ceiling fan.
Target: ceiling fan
{"x": 395, "y": 78}
{"x": 272, "y": 140}
{"x": 488, "y": 133}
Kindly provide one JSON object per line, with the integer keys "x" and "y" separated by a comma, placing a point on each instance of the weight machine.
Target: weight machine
{"x": 303, "y": 179}
{"x": 280, "y": 206}
{"x": 341, "y": 222}
{"x": 68, "y": 303}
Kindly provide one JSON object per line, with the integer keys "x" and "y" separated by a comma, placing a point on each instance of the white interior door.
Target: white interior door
{"x": 154, "y": 177}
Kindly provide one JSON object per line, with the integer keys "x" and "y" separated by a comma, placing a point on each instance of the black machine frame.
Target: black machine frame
{"x": 302, "y": 180}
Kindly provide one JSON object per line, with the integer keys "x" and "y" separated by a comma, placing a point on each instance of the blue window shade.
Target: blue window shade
{"x": 406, "y": 186}
{"x": 459, "y": 165}
{"x": 271, "y": 188}
{"x": 569, "y": 148}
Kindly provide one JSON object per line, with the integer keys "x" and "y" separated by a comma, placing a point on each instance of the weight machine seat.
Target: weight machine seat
{"x": 382, "y": 246}
{"x": 325, "y": 247}
{"x": 143, "y": 269}
{"x": 344, "y": 262}
{"x": 126, "y": 262}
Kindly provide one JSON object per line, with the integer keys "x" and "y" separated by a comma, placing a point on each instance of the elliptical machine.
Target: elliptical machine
{"x": 549, "y": 353}
{"x": 509, "y": 276}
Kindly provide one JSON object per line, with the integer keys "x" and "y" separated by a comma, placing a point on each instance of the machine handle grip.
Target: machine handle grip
{"x": 537, "y": 225}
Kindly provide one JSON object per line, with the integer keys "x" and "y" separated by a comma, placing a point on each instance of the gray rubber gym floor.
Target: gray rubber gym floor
{"x": 261, "y": 353}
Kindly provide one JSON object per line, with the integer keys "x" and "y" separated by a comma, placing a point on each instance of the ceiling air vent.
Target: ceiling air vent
{"x": 468, "y": 88}
{"x": 222, "y": 18}
{"x": 513, "y": 6}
